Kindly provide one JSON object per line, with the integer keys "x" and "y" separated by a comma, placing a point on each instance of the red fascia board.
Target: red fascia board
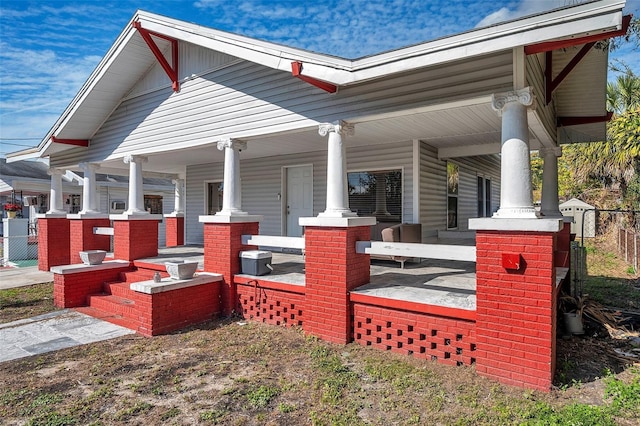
{"x": 560, "y": 44}
{"x": 77, "y": 142}
{"x": 576, "y": 121}
{"x": 296, "y": 71}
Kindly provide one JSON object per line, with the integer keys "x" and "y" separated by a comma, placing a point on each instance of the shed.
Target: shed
{"x": 576, "y": 209}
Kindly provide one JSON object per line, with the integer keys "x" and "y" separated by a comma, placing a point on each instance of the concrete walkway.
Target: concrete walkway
{"x": 53, "y": 331}
{"x": 20, "y": 277}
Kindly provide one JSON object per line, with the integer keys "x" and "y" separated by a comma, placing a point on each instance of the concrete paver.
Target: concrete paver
{"x": 53, "y": 331}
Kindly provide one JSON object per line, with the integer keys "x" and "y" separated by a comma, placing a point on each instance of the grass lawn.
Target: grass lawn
{"x": 232, "y": 372}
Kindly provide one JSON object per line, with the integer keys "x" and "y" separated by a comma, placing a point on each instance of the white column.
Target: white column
{"x": 179, "y": 196}
{"x": 136, "y": 191}
{"x": 232, "y": 192}
{"x": 516, "y": 198}
{"x": 89, "y": 191}
{"x": 549, "y": 206}
{"x": 337, "y": 186}
{"x": 56, "y": 205}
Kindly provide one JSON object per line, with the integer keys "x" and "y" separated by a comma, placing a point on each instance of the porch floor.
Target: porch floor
{"x": 430, "y": 281}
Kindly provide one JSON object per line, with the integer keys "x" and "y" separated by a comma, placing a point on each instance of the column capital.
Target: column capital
{"x": 556, "y": 150}
{"x": 341, "y": 127}
{"x": 231, "y": 143}
{"x": 130, "y": 158}
{"x": 523, "y": 96}
{"x": 52, "y": 171}
{"x": 89, "y": 166}
{"x": 177, "y": 181}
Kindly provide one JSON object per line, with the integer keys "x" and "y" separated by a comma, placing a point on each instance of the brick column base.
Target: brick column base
{"x": 222, "y": 247}
{"x": 333, "y": 268}
{"x": 135, "y": 239}
{"x": 516, "y": 307}
{"x": 53, "y": 242}
{"x": 174, "y": 229}
{"x": 82, "y": 237}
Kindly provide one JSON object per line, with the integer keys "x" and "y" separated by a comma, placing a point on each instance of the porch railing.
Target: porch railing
{"x": 424, "y": 251}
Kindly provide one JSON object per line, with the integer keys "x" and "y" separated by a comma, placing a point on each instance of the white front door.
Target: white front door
{"x": 299, "y": 198}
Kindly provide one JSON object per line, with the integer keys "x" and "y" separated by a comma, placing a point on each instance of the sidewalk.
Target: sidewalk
{"x": 20, "y": 277}
{"x": 53, "y": 331}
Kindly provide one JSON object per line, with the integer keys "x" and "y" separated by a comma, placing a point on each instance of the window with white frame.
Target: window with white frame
{"x": 376, "y": 193}
{"x": 484, "y": 196}
{"x": 213, "y": 197}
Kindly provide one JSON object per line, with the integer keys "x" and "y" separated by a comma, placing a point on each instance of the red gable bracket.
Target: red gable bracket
{"x": 171, "y": 70}
{"x": 560, "y": 44}
{"x": 77, "y": 142}
{"x": 296, "y": 70}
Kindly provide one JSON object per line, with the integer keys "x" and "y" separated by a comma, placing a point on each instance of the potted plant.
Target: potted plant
{"x": 11, "y": 209}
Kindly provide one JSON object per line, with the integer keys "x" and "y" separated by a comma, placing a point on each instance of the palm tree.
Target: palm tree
{"x": 616, "y": 161}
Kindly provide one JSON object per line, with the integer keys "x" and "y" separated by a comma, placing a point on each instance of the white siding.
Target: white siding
{"x": 433, "y": 188}
{"x": 535, "y": 78}
{"x": 262, "y": 182}
{"x": 244, "y": 99}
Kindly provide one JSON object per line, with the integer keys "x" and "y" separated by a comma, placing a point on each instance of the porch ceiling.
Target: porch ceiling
{"x": 456, "y": 131}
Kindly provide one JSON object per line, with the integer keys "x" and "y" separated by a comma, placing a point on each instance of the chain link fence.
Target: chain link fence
{"x": 19, "y": 242}
{"x": 614, "y": 231}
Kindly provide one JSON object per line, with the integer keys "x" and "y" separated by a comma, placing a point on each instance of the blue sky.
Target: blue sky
{"x": 49, "y": 48}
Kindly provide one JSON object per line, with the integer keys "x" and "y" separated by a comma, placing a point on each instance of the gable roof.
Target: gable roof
{"x": 130, "y": 58}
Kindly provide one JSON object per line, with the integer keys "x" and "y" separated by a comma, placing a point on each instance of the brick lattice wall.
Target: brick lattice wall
{"x": 283, "y": 305}
{"x": 446, "y": 340}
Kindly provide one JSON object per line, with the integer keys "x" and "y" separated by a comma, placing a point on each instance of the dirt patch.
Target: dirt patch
{"x": 226, "y": 373}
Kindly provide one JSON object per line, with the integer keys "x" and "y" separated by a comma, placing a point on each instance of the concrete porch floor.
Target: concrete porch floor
{"x": 430, "y": 281}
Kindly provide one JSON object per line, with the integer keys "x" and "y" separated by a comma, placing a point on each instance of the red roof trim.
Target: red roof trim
{"x": 296, "y": 70}
{"x": 559, "y": 44}
{"x": 77, "y": 142}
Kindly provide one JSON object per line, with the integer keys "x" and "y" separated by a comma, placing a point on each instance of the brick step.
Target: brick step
{"x": 139, "y": 275}
{"x": 109, "y": 317}
{"x": 115, "y": 305}
{"x": 118, "y": 288}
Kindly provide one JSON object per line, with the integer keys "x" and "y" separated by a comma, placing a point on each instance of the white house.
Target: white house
{"x": 438, "y": 133}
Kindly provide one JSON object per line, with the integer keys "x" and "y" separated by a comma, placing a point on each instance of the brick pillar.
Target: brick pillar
{"x": 563, "y": 252}
{"x": 333, "y": 269}
{"x": 516, "y": 306}
{"x": 174, "y": 229}
{"x": 83, "y": 238}
{"x": 135, "y": 238}
{"x": 222, "y": 247}
{"x": 53, "y": 241}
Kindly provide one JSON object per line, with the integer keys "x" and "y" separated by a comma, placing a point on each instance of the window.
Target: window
{"x": 453, "y": 178}
{"x": 214, "y": 197}
{"x": 153, "y": 204}
{"x": 484, "y": 197}
{"x": 376, "y": 193}
{"x": 73, "y": 203}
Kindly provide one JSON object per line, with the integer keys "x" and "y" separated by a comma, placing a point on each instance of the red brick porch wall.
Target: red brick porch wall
{"x": 222, "y": 247}
{"x": 72, "y": 290}
{"x": 53, "y": 242}
{"x": 516, "y": 308}
{"x": 82, "y": 237}
{"x": 135, "y": 239}
{"x": 333, "y": 268}
{"x": 174, "y": 229}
